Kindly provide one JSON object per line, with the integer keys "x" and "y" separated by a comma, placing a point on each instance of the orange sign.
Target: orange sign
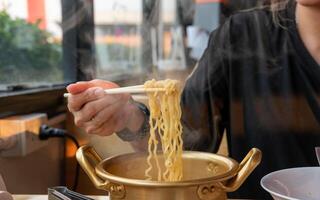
{"x": 36, "y": 11}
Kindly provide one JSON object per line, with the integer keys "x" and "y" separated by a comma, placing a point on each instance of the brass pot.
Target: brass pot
{"x": 206, "y": 176}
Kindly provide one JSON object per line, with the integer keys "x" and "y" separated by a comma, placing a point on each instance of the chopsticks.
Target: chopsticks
{"x": 131, "y": 89}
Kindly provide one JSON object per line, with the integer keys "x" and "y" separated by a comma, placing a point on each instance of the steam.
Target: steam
{"x": 71, "y": 18}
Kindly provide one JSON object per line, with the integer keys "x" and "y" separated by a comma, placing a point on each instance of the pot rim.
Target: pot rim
{"x": 231, "y": 172}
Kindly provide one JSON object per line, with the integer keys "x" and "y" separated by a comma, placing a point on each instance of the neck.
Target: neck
{"x": 309, "y": 28}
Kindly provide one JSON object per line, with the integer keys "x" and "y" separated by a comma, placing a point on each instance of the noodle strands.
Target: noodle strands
{"x": 165, "y": 125}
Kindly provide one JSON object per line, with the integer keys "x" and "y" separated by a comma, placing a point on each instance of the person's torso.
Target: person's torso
{"x": 274, "y": 88}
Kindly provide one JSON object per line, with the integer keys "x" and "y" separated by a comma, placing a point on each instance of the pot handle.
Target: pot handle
{"x": 88, "y": 159}
{"x": 247, "y": 165}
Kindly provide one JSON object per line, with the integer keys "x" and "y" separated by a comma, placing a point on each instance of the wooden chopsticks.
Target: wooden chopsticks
{"x": 130, "y": 89}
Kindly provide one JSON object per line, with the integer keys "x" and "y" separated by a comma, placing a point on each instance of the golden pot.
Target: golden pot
{"x": 206, "y": 176}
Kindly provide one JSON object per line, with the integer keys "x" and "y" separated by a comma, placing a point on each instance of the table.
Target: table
{"x": 45, "y": 197}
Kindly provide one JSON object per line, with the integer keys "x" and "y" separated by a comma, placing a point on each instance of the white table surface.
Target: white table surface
{"x": 45, "y": 197}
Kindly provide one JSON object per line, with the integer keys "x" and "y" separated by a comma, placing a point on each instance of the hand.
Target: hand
{"x": 97, "y": 112}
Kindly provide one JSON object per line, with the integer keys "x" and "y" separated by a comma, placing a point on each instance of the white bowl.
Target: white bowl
{"x": 293, "y": 184}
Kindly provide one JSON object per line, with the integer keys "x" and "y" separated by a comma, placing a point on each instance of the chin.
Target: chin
{"x": 309, "y": 3}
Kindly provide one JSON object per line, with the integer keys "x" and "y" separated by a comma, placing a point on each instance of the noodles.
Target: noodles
{"x": 165, "y": 114}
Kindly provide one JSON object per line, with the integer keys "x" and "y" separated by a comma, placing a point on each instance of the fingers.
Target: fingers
{"x": 103, "y": 116}
{"x": 83, "y": 92}
{"x": 103, "y": 84}
{"x": 89, "y": 111}
{"x": 77, "y": 101}
{"x": 78, "y": 87}
{"x": 96, "y": 112}
{"x": 109, "y": 127}
{"x": 82, "y": 86}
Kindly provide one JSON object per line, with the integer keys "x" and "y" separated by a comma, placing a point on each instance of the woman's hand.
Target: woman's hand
{"x": 100, "y": 113}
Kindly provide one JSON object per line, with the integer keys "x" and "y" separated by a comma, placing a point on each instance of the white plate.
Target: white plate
{"x": 293, "y": 184}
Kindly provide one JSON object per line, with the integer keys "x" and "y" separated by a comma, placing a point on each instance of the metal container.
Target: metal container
{"x": 206, "y": 176}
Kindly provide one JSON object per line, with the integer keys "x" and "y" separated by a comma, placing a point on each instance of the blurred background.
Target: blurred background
{"x": 47, "y": 44}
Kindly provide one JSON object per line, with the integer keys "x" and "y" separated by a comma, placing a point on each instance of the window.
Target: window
{"x": 30, "y": 43}
{"x": 127, "y": 37}
{"x": 117, "y": 37}
{"x": 135, "y": 37}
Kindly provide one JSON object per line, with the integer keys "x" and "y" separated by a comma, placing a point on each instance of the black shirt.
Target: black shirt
{"x": 258, "y": 81}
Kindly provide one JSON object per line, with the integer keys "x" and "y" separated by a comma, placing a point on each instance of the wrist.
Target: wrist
{"x": 136, "y": 117}
{"x": 137, "y": 127}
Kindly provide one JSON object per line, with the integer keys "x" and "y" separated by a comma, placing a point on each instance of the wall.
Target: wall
{"x": 34, "y": 173}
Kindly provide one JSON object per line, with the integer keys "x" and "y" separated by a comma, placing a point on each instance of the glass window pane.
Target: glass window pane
{"x": 117, "y": 37}
{"x": 137, "y": 37}
{"x": 30, "y": 42}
